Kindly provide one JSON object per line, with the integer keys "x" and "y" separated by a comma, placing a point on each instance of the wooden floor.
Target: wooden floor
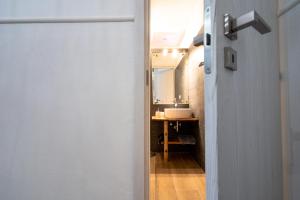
{"x": 181, "y": 178}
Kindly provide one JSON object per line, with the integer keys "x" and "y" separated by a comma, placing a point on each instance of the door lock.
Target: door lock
{"x": 230, "y": 59}
{"x": 233, "y": 25}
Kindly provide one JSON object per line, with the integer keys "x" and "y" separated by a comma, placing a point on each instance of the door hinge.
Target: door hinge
{"x": 147, "y": 77}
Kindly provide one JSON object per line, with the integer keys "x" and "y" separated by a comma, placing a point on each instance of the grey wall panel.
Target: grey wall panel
{"x": 192, "y": 76}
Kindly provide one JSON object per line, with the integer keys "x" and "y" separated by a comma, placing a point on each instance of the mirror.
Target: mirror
{"x": 169, "y": 77}
{"x": 163, "y": 85}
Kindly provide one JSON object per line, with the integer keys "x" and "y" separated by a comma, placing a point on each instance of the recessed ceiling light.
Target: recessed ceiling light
{"x": 165, "y": 52}
{"x": 174, "y": 53}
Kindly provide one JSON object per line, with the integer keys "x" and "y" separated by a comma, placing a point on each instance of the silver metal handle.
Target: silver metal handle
{"x": 232, "y": 25}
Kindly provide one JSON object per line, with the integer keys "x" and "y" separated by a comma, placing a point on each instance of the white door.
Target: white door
{"x": 71, "y": 100}
{"x": 243, "y": 138}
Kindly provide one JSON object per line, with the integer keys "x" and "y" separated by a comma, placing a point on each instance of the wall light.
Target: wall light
{"x": 174, "y": 53}
{"x": 165, "y": 52}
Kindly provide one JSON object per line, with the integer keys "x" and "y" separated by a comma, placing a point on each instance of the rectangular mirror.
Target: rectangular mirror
{"x": 163, "y": 85}
{"x": 169, "y": 77}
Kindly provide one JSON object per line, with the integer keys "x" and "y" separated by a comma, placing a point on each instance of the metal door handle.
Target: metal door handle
{"x": 232, "y": 25}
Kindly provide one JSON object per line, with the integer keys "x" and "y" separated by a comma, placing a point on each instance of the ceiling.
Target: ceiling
{"x": 174, "y": 23}
{"x": 166, "y": 60}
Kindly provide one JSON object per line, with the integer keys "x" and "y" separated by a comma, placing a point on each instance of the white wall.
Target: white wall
{"x": 289, "y": 28}
{"x": 71, "y": 120}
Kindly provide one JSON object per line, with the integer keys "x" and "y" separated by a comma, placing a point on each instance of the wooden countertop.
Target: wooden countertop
{"x": 174, "y": 119}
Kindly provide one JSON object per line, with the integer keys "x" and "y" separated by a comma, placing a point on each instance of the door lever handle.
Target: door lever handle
{"x": 233, "y": 25}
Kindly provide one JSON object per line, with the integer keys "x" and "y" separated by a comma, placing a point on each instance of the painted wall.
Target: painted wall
{"x": 289, "y": 29}
{"x": 71, "y": 120}
{"x": 193, "y": 77}
{"x": 196, "y": 97}
{"x": 189, "y": 81}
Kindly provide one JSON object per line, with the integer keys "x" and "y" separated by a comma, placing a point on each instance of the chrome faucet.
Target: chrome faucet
{"x": 175, "y": 103}
{"x": 156, "y": 101}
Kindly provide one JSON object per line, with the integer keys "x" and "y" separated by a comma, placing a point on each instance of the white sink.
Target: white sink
{"x": 178, "y": 113}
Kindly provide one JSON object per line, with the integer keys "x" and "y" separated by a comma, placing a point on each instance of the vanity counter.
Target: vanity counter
{"x": 166, "y": 132}
{"x": 174, "y": 119}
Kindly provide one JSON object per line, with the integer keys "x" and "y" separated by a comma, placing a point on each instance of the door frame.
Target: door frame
{"x": 147, "y": 96}
{"x": 210, "y": 99}
{"x": 210, "y": 107}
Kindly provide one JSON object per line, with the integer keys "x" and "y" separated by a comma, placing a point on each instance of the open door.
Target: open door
{"x": 242, "y": 100}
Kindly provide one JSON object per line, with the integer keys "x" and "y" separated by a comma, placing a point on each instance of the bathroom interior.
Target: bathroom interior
{"x": 177, "y": 132}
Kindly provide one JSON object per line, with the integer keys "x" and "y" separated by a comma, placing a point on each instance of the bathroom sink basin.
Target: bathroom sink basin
{"x": 178, "y": 113}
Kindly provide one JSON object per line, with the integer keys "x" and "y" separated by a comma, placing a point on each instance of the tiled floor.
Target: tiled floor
{"x": 181, "y": 178}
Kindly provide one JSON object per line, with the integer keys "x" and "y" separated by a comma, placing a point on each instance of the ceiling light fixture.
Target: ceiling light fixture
{"x": 165, "y": 52}
{"x": 174, "y": 53}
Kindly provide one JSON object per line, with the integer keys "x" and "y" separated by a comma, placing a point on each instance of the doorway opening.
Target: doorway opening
{"x": 176, "y": 100}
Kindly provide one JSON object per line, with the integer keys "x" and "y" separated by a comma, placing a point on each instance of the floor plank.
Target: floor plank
{"x": 181, "y": 178}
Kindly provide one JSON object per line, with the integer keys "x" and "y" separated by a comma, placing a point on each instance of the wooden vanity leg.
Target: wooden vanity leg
{"x": 166, "y": 150}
